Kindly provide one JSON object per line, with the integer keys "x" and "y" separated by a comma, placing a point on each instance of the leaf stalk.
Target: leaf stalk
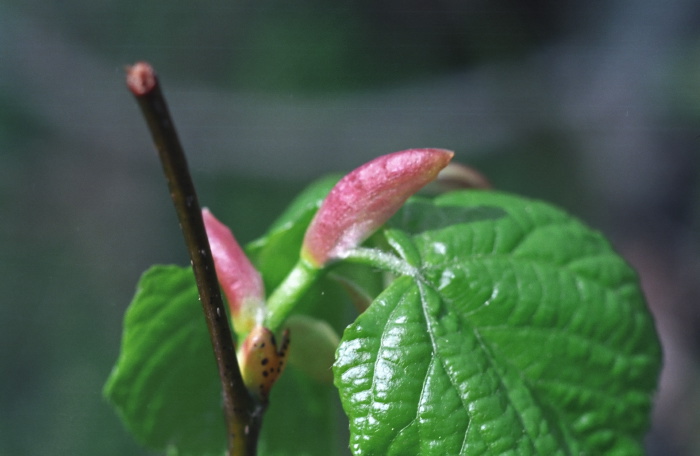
{"x": 286, "y": 296}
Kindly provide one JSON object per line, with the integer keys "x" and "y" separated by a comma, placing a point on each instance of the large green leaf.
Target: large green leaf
{"x": 518, "y": 331}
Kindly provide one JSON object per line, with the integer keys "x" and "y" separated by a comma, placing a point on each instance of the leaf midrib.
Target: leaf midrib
{"x": 417, "y": 275}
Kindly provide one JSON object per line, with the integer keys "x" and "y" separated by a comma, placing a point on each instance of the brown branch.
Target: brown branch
{"x": 243, "y": 416}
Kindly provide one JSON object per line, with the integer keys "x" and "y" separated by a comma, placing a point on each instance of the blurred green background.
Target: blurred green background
{"x": 591, "y": 105}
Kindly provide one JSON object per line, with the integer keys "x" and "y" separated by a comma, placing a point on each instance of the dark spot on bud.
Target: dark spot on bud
{"x": 264, "y": 361}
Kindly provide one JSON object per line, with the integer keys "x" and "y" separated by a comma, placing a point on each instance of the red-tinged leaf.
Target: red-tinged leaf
{"x": 240, "y": 281}
{"x": 366, "y": 198}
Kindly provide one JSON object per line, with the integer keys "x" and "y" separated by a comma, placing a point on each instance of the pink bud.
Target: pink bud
{"x": 366, "y": 198}
{"x": 240, "y": 281}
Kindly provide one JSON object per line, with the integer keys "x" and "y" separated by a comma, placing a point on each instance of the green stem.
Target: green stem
{"x": 243, "y": 415}
{"x": 283, "y": 300}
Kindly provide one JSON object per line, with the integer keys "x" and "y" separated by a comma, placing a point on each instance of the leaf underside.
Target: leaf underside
{"x": 520, "y": 331}
{"x": 165, "y": 385}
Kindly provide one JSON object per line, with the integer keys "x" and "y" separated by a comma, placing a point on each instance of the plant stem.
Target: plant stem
{"x": 286, "y": 296}
{"x": 242, "y": 413}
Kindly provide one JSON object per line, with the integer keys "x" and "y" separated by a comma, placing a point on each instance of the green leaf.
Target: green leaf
{"x": 518, "y": 331}
{"x": 165, "y": 385}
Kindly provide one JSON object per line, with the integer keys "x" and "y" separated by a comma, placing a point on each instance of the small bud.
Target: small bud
{"x": 366, "y": 198}
{"x": 262, "y": 361}
{"x": 457, "y": 176}
{"x": 240, "y": 281}
{"x": 315, "y": 343}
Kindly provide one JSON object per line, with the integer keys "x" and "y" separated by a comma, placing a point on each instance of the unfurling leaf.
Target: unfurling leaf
{"x": 240, "y": 281}
{"x": 366, "y": 198}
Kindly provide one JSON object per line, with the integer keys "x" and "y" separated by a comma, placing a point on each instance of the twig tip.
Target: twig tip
{"x": 141, "y": 78}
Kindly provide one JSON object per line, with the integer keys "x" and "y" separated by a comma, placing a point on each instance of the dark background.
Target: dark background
{"x": 593, "y": 106}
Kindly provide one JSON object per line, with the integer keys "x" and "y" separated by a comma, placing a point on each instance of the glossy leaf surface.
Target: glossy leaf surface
{"x": 519, "y": 331}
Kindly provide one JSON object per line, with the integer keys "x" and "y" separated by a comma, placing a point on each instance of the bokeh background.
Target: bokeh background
{"x": 594, "y": 106}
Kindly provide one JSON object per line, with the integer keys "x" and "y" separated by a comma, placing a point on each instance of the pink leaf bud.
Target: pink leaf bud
{"x": 366, "y": 198}
{"x": 240, "y": 281}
